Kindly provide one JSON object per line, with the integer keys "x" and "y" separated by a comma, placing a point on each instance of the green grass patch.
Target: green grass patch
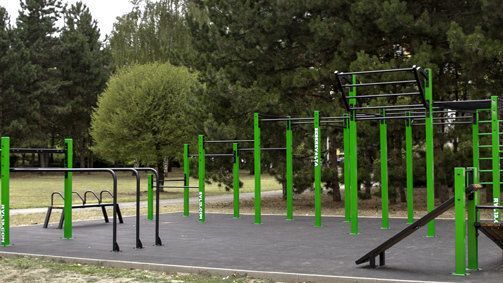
{"x": 28, "y": 269}
{"x": 34, "y": 190}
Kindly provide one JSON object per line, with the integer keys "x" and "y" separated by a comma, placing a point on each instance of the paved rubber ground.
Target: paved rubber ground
{"x": 276, "y": 245}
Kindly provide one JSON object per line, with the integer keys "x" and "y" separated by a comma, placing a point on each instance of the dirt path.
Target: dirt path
{"x": 166, "y": 202}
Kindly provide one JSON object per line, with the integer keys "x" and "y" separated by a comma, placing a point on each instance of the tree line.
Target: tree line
{"x": 272, "y": 57}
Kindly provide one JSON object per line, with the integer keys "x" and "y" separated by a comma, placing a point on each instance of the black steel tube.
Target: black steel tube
{"x": 139, "y": 244}
{"x": 376, "y": 71}
{"x": 405, "y": 107}
{"x": 115, "y": 246}
{"x": 218, "y": 155}
{"x": 262, "y": 149}
{"x": 450, "y": 123}
{"x": 387, "y": 118}
{"x": 158, "y": 241}
{"x": 179, "y": 187}
{"x": 368, "y": 96}
{"x": 174, "y": 180}
{"x": 380, "y": 83}
{"x": 227, "y": 141}
{"x": 37, "y": 150}
{"x": 286, "y": 119}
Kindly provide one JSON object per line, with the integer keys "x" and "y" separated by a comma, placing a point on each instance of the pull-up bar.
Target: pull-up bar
{"x": 226, "y": 141}
{"x": 368, "y": 96}
{"x": 376, "y": 71}
{"x": 37, "y": 150}
{"x": 379, "y": 84}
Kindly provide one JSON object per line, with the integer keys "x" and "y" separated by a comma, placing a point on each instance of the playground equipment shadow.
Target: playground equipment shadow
{"x": 277, "y": 249}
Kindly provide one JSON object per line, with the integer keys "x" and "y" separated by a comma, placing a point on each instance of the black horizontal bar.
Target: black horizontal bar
{"x": 450, "y": 123}
{"x": 488, "y": 207}
{"x": 405, "y": 106}
{"x": 227, "y": 141}
{"x": 262, "y": 149}
{"x": 386, "y": 118}
{"x": 368, "y": 96}
{"x": 380, "y": 83}
{"x": 375, "y": 71}
{"x": 286, "y": 119}
{"x": 178, "y": 187}
{"x": 219, "y": 154}
{"x": 62, "y": 170}
{"x": 174, "y": 180}
{"x": 36, "y": 150}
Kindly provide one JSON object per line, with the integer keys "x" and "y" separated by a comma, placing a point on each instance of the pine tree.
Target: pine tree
{"x": 84, "y": 69}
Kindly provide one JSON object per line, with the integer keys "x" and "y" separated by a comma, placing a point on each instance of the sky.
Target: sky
{"x": 104, "y": 11}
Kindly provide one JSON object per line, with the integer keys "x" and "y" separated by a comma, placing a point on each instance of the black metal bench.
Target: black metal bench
{"x": 84, "y": 204}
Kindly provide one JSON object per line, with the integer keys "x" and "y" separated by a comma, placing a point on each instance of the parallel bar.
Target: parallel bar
{"x": 219, "y": 155}
{"x": 380, "y": 83}
{"x": 317, "y": 170}
{"x": 387, "y": 118}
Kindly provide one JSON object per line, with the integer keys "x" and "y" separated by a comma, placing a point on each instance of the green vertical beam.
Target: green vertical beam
{"x": 317, "y": 170}
{"x": 186, "y": 179}
{"x": 347, "y": 173}
{"x": 289, "y": 171}
{"x": 5, "y": 202}
{"x": 495, "y": 142}
{"x": 202, "y": 176}
{"x": 409, "y": 170}
{"x": 150, "y": 197}
{"x": 354, "y": 161}
{"x": 459, "y": 207}
{"x": 68, "y": 190}
{"x": 383, "y": 134}
{"x": 430, "y": 160}
{"x": 471, "y": 206}
{"x": 235, "y": 179}
{"x": 256, "y": 167}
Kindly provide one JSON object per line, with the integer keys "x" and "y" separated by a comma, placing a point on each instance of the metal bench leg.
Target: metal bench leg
{"x": 105, "y": 215}
{"x": 61, "y": 220}
{"x": 119, "y": 214}
{"x": 372, "y": 262}
{"x": 47, "y": 217}
{"x": 382, "y": 259}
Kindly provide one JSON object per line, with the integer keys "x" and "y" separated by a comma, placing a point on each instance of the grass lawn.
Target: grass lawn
{"x": 34, "y": 190}
{"x": 25, "y": 269}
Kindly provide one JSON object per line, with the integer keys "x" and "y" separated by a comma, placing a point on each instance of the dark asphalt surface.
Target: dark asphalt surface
{"x": 276, "y": 245}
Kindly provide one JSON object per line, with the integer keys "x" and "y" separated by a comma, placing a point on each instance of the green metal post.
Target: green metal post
{"x": 317, "y": 170}
{"x": 68, "y": 233}
{"x": 459, "y": 207}
{"x": 257, "y": 165}
{"x": 430, "y": 160}
{"x": 347, "y": 173}
{"x": 186, "y": 180}
{"x": 409, "y": 169}
{"x": 471, "y": 206}
{"x": 202, "y": 176}
{"x": 150, "y": 197}
{"x": 495, "y": 142}
{"x": 235, "y": 174}
{"x": 383, "y": 133}
{"x": 5, "y": 202}
{"x": 289, "y": 171}
{"x": 354, "y": 161}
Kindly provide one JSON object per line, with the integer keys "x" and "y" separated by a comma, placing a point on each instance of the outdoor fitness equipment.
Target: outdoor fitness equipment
{"x": 6, "y": 150}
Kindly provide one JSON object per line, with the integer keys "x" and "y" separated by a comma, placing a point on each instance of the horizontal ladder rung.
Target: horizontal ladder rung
{"x": 487, "y": 183}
